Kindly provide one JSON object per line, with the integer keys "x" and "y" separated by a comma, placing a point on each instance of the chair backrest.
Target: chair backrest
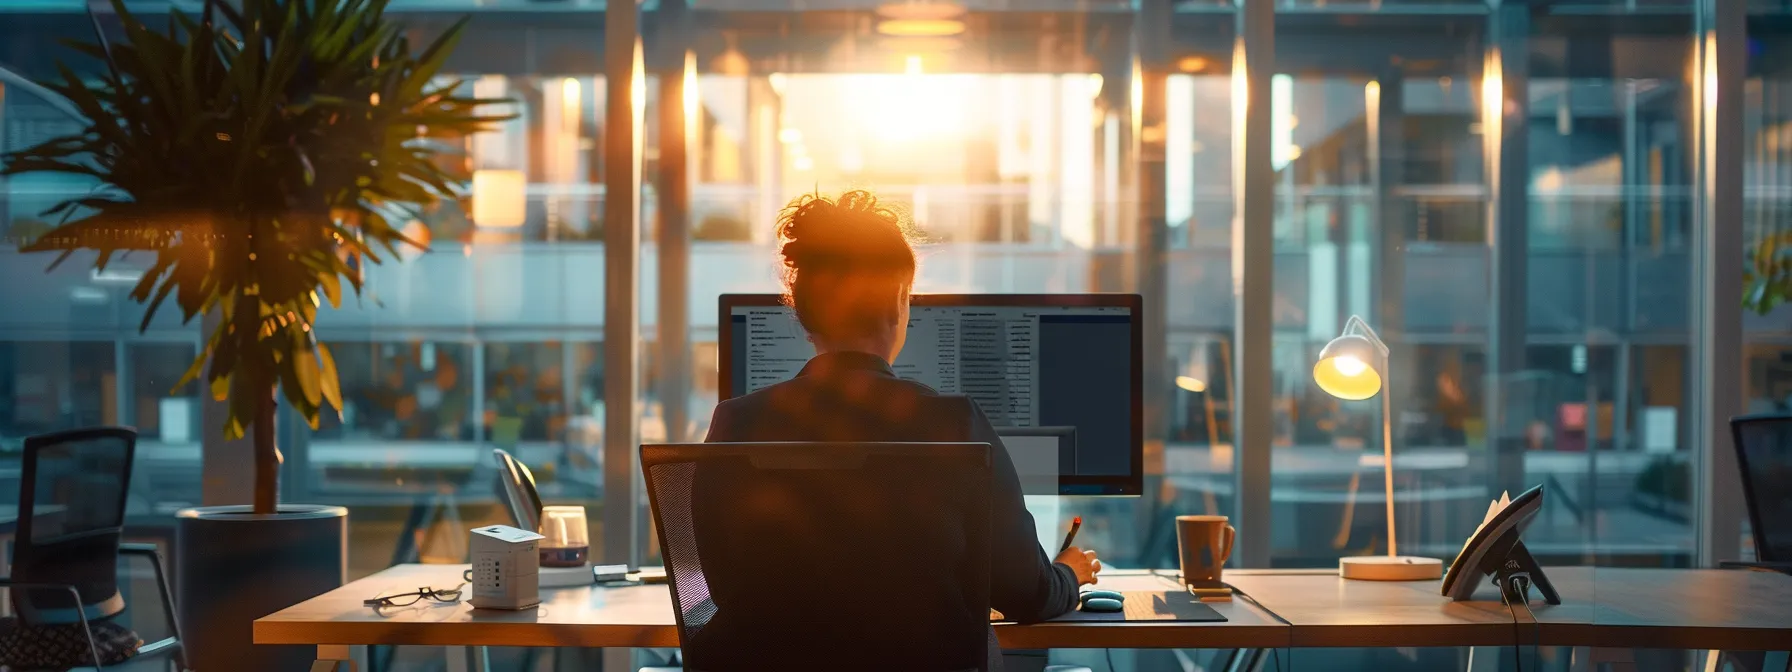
{"x": 520, "y": 496}
{"x": 1764, "y": 456}
{"x": 71, "y": 520}
{"x": 794, "y": 554}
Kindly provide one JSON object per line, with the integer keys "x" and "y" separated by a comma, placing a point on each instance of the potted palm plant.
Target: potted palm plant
{"x": 259, "y": 155}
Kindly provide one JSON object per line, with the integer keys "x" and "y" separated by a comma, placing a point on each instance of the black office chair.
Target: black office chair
{"x": 738, "y": 522}
{"x": 1764, "y": 456}
{"x": 67, "y": 540}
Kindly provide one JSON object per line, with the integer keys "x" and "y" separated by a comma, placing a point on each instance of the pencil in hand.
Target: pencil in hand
{"x": 1075, "y": 524}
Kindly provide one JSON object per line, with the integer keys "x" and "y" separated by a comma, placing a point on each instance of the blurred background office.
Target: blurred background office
{"x": 1513, "y": 193}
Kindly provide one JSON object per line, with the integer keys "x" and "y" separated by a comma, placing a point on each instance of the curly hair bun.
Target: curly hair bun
{"x": 852, "y": 232}
{"x": 847, "y": 262}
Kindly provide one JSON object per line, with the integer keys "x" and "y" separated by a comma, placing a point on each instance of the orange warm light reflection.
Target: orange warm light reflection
{"x": 692, "y": 99}
{"x": 638, "y": 87}
{"x": 1493, "y": 108}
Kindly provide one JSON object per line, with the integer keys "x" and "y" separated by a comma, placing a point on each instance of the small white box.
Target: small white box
{"x": 506, "y": 568}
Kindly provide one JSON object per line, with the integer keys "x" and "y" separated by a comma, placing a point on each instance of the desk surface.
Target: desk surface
{"x": 1604, "y": 607}
{"x": 642, "y": 616}
{"x": 1328, "y": 611}
{"x": 1667, "y": 609}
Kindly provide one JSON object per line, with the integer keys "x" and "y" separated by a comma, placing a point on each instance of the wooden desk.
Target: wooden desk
{"x": 1327, "y": 611}
{"x": 1606, "y": 608}
{"x": 1612, "y": 607}
{"x": 1601, "y": 607}
{"x": 641, "y": 616}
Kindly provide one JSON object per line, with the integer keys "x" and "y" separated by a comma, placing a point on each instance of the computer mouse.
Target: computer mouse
{"x": 1102, "y": 605}
{"x": 1107, "y": 594}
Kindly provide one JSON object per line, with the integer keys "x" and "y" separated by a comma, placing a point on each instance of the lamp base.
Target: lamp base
{"x": 1390, "y": 568}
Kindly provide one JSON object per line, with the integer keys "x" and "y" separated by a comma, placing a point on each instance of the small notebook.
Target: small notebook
{"x": 1152, "y": 605}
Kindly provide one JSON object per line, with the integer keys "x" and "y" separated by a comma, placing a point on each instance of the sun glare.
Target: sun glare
{"x": 910, "y": 107}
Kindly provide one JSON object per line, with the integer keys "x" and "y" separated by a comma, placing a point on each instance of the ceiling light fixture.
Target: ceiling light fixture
{"x": 920, "y": 19}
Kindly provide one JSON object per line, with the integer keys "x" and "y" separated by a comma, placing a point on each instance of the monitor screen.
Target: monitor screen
{"x": 1058, "y": 371}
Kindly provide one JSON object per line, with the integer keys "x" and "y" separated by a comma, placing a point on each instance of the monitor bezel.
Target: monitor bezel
{"x": 1127, "y": 485}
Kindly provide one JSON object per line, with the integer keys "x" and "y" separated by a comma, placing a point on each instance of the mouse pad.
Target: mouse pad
{"x": 1151, "y": 605}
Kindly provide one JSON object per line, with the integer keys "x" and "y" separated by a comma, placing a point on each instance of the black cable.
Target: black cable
{"x": 1536, "y": 626}
{"x": 1110, "y": 654}
{"x": 1518, "y": 590}
{"x": 1517, "y": 638}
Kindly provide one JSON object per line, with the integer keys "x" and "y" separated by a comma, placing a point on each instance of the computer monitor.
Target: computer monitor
{"x": 1063, "y": 368}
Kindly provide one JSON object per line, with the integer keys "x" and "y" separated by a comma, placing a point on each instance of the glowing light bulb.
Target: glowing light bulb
{"x": 1191, "y": 384}
{"x": 1349, "y": 366}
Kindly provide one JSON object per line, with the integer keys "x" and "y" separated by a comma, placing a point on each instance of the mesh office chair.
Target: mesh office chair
{"x": 1764, "y": 456}
{"x": 855, "y": 521}
{"x": 67, "y": 540}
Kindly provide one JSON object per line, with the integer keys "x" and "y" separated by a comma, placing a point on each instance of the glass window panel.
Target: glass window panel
{"x": 55, "y": 385}
{"x": 1595, "y": 400}
{"x": 1767, "y": 188}
{"x": 401, "y": 391}
{"x": 161, "y": 410}
{"x": 525, "y": 392}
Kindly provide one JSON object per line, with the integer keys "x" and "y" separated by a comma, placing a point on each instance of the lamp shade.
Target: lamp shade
{"x": 500, "y": 198}
{"x": 1350, "y": 367}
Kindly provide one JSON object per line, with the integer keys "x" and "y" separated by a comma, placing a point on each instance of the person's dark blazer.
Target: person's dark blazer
{"x": 855, "y": 396}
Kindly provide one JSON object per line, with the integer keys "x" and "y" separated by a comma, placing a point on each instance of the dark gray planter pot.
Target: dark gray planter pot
{"x": 233, "y": 567}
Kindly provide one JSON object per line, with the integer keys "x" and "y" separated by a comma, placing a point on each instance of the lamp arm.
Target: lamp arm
{"x": 1358, "y": 326}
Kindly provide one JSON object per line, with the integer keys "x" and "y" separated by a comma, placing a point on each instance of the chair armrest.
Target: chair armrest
{"x": 138, "y": 549}
{"x": 7, "y": 582}
{"x": 168, "y": 609}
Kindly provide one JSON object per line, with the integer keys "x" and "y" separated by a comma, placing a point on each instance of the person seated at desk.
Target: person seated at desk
{"x": 848, "y": 267}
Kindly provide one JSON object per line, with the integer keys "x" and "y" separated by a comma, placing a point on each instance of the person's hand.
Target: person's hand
{"x": 1082, "y": 563}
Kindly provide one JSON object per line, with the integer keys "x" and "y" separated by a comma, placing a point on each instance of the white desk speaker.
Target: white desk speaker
{"x": 506, "y": 568}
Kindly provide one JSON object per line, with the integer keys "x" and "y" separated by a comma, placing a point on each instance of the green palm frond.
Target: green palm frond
{"x": 257, "y": 158}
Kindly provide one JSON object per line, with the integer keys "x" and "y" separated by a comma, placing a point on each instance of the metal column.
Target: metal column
{"x": 678, "y": 82}
{"x": 1717, "y": 253}
{"x": 624, "y": 79}
{"x": 1253, "y": 62}
{"x": 622, "y": 252}
{"x": 1152, "y": 39}
{"x": 1505, "y": 124}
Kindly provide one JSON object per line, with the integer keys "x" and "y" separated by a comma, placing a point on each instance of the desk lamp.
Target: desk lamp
{"x": 1354, "y": 366}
